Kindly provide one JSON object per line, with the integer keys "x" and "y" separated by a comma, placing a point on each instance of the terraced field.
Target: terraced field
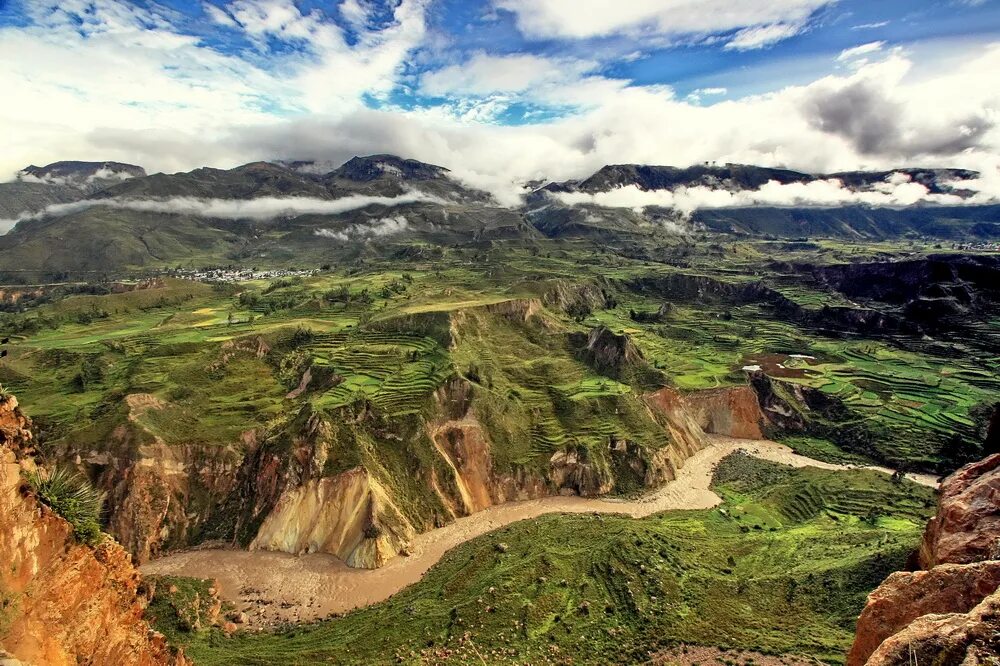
{"x": 396, "y": 371}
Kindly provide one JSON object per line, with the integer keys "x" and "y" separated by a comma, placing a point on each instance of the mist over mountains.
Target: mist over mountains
{"x": 94, "y": 216}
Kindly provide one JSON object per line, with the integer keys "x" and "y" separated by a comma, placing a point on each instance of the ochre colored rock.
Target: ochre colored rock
{"x": 464, "y": 446}
{"x": 949, "y": 614}
{"x": 904, "y": 597}
{"x": 349, "y": 515}
{"x": 967, "y": 525}
{"x": 686, "y": 436}
{"x": 733, "y": 412}
{"x": 67, "y": 603}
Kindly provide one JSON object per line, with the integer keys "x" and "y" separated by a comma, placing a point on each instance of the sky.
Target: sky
{"x": 502, "y": 91}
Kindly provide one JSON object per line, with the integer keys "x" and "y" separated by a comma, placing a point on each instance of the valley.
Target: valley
{"x": 304, "y": 588}
{"x": 498, "y": 434}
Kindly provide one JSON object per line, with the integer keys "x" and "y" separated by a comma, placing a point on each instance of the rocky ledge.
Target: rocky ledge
{"x": 948, "y": 613}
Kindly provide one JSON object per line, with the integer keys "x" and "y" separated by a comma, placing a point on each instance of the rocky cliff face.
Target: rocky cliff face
{"x": 290, "y": 502}
{"x": 967, "y": 525}
{"x": 349, "y": 515}
{"x": 62, "y": 602}
{"x": 949, "y": 613}
{"x": 733, "y": 412}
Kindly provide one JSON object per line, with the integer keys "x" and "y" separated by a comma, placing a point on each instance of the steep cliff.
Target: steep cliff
{"x": 63, "y": 602}
{"x": 733, "y": 412}
{"x": 949, "y": 613}
{"x": 349, "y": 515}
{"x": 967, "y": 525}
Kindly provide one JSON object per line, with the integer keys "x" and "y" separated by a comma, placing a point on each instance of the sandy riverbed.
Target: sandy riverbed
{"x": 279, "y": 587}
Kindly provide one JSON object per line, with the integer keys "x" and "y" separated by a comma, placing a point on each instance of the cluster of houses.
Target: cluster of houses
{"x": 238, "y": 274}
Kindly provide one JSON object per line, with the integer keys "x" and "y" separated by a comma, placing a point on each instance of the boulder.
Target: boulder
{"x": 969, "y": 639}
{"x": 907, "y": 596}
{"x": 967, "y": 525}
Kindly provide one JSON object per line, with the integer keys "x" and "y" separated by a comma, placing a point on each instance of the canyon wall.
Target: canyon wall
{"x": 63, "y": 602}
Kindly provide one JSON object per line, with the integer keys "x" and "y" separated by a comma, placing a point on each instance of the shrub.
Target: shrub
{"x": 74, "y": 498}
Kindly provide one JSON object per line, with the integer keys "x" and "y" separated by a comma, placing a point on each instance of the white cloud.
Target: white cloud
{"x": 861, "y": 50}
{"x": 387, "y": 226}
{"x": 90, "y": 67}
{"x": 259, "y": 209}
{"x": 878, "y": 117}
{"x": 758, "y": 37}
{"x": 125, "y": 85}
{"x": 219, "y": 16}
{"x": 896, "y": 191}
{"x": 870, "y": 26}
{"x": 484, "y": 74}
{"x": 577, "y": 19}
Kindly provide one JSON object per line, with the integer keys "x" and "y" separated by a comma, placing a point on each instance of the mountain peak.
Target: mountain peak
{"x": 80, "y": 174}
{"x": 374, "y": 167}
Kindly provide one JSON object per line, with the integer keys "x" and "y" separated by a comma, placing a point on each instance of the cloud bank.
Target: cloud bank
{"x": 897, "y": 191}
{"x": 260, "y": 209}
{"x": 385, "y": 80}
{"x": 387, "y": 226}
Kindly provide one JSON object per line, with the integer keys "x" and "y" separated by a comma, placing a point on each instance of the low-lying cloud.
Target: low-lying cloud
{"x": 387, "y": 226}
{"x": 259, "y": 209}
{"x": 895, "y": 192}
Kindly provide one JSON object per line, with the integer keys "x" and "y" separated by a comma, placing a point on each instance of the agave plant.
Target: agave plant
{"x": 73, "y": 498}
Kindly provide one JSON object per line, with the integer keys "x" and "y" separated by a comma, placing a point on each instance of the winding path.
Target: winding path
{"x": 276, "y": 587}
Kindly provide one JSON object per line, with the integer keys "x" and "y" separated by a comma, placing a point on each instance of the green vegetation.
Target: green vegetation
{"x": 369, "y": 363}
{"x": 783, "y": 566}
{"x": 73, "y": 498}
{"x": 181, "y": 606}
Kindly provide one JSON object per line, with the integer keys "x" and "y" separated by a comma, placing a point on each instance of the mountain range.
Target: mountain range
{"x": 108, "y": 217}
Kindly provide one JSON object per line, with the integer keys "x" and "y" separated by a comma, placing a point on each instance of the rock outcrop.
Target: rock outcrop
{"x": 969, "y": 639}
{"x": 949, "y": 613}
{"x": 967, "y": 525}
{"x": 679, "y": 420}
{"x": 733, "y": 412}
{"x": 905, "y": 597}
{"x": 616, "y": 356}
{"x": 63, "y": 602}
{"x": 349, "y": 515}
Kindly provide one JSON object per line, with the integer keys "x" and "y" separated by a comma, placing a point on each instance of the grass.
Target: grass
{"x": 181, "y": 606}
{"x": 386, "y": 336}
{"x": 761, "y": 572}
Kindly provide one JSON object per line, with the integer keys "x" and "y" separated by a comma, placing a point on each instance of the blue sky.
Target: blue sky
{"x": 501, "y": 89}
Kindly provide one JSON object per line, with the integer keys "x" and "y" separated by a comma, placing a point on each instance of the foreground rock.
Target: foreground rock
{"x": 967, "y": 525}
{"x": 950, "y": 613}
{"x": 63, "y": 602}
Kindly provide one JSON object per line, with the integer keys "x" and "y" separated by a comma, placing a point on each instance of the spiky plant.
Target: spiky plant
{"x": 73, "y": 498}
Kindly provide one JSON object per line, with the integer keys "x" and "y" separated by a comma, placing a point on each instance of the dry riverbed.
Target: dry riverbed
{"x": 274, "y": 588}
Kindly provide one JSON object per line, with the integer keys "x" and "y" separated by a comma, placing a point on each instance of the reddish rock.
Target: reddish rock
{"x": 949, "y": 614}
{"x": 969, "y": 639}
{"x": 967, "y": 525}
{"x": 904, "y": 597}
{"x": 733, "y": 412}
